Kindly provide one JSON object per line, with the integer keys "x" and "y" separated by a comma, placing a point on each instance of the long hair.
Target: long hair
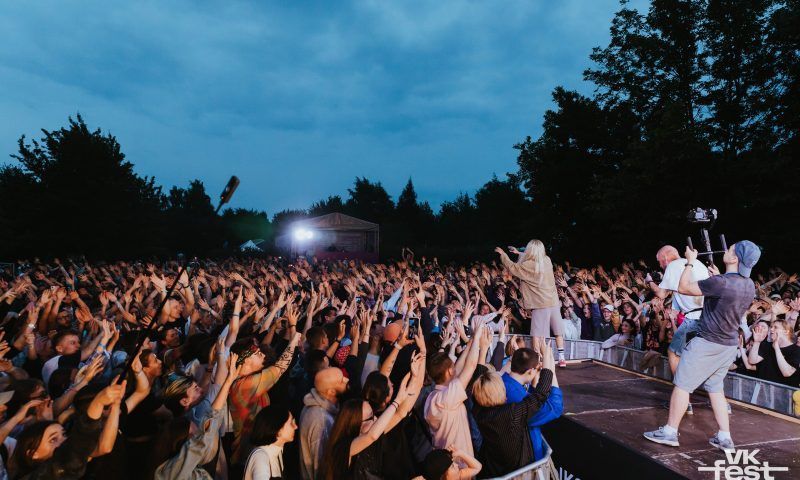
{"x": 336, "y": 455}
{"x": 21, "y": 462}
{"x": 534, "y": 251}
{"x": 631, "y": 325}
{"x": 376, "y": 390}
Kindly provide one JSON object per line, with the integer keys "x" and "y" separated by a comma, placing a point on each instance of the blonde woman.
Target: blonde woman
{"x": 507, "y": 443}
{"x": 538, "y": 287}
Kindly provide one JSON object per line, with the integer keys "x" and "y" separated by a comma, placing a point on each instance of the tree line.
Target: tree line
{"x": 694, "y": 103}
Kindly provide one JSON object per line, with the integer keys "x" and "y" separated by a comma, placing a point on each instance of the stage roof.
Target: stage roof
{"x": 336, "y": 221}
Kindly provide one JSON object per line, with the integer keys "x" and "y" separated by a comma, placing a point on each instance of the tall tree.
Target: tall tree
{"x": 369, "y": 201}
{"x": 244, "y": 224}
{"x": 332, "y": 204}
{"x": 84, "y": 196}
{"x": 195, "y": 227}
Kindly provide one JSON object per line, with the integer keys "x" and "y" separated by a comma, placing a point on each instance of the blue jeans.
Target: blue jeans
{"x": 679, "y": 337}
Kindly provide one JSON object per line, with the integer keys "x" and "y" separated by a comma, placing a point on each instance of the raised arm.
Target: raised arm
{"x": 685, "y": 285}
{"x": 785, "y": 368}
{"x": 402, "y": 341}
{"x": 465, "y": 375}
{"x": 759, "y": 335}
{"x": 385, "y": 422}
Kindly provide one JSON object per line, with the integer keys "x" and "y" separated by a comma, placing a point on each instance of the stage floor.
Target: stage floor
{"x": 622, "y": 405}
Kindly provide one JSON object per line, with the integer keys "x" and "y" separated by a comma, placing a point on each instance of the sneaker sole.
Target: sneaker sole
{"x": 718, "y": 446}
{"x": 671, "y": 443}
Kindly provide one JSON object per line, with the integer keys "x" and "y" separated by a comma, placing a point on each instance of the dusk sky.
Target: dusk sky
{"x": 298, "y": 98}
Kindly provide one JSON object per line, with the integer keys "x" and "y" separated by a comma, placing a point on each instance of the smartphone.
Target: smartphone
{"x": 413, "y": 325}
{"x": 358, "y": 299}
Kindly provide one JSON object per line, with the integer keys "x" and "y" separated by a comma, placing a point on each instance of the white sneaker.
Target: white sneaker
{"x": 662, "y": 437}
{"x": 724, "y": 445}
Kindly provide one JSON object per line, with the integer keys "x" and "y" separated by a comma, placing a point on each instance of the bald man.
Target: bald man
{"x": 316, "y": 420}
{"x": 670, "y": 260}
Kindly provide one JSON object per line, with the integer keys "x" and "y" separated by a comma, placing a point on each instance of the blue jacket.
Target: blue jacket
{"x": 552, "y": 409}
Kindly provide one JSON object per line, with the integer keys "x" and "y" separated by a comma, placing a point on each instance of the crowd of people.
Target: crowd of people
{"x": 262, "y": 368}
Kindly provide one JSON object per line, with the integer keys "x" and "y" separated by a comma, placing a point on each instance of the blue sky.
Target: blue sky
{"x": 298, "y": 98}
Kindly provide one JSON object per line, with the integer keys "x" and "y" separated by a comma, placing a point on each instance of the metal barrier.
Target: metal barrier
{"x": 774, "y": 396}
{"x": 538, "y": 470}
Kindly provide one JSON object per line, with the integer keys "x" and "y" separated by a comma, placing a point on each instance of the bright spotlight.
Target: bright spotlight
{"x": 303, "y": 234}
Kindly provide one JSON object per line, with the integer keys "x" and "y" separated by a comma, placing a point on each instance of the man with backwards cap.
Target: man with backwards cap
{"x": 706, "y": 358}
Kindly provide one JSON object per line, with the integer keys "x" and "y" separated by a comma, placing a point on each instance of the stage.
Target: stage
{"x": 606, "y": 410}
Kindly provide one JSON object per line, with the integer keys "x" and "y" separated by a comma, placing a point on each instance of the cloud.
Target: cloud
{"x": 298, "y": 98}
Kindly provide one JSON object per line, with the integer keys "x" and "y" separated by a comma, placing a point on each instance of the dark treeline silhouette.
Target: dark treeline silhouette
{"x": 695, "y": 103}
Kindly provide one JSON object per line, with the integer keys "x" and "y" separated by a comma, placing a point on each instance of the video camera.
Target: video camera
{"x": 705, "y": 217}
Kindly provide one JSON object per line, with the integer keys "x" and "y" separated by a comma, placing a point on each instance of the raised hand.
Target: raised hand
{"x": 779, "y": 308}
{"x": 547, "y": 357}
{"x": 112, "y": 394}
{"x": 402, "y": 390}
{"x": 233, "y": 369}
{"x": 760, "y": 333}
{"x": 403, "y": 340}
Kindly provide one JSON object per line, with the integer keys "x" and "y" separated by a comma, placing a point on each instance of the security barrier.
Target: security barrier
{"x": 539, "y": 470}
{"x": 762, "y": 393}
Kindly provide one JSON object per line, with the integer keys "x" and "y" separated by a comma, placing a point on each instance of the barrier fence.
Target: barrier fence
{"x": 540, "y": 470}
{"x": 774, "y": 396}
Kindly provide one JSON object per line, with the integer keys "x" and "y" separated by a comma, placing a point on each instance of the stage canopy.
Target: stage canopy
{"x": 332, "y": 236}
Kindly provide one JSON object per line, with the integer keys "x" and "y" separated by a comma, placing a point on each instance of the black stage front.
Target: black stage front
{"x": 606, "y": 410}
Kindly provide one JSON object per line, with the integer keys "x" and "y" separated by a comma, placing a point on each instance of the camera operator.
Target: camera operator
{"x": 707, "y": 357}
{"x": 673, "y": 265}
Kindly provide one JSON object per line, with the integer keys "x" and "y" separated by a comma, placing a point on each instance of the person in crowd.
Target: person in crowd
{"x": 507, "y": 443}
{"x": 604, "y": 326}
{"x": 44, "y": 449}
{"x": 450, "y": 464}
{"x": 444, "y": 410}
{"x": 626, "y": 336}
{"x": 353, "y": 448}
{"x": 779, "y": 359}
{"x": 689, "y": 306}
{"x": 273, "y": 428}
{"x": 320, "y": 410}
{"x": 526, "y": 365}
{"x": 250, "y": 392}
{"x": 184, "y": 448}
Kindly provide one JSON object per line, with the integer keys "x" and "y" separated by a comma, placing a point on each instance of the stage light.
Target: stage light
{"x": 303, "y": 234}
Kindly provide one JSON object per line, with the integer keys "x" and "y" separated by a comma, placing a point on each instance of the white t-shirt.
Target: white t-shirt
{"x": 264, "y": 463}
{"x": 672, "y": 276}
{"x": 49, "y": 367}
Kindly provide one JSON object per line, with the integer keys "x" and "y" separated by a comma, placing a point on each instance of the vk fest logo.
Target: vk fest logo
{"x": 742, "y": 465}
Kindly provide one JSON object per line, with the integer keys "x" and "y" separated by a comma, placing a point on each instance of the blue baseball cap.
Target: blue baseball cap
{"x": 748, "y": 254}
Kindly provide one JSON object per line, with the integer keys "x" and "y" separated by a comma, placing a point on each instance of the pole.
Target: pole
{"x": 224, "y": 198}
{"x": 144, "y": 331}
